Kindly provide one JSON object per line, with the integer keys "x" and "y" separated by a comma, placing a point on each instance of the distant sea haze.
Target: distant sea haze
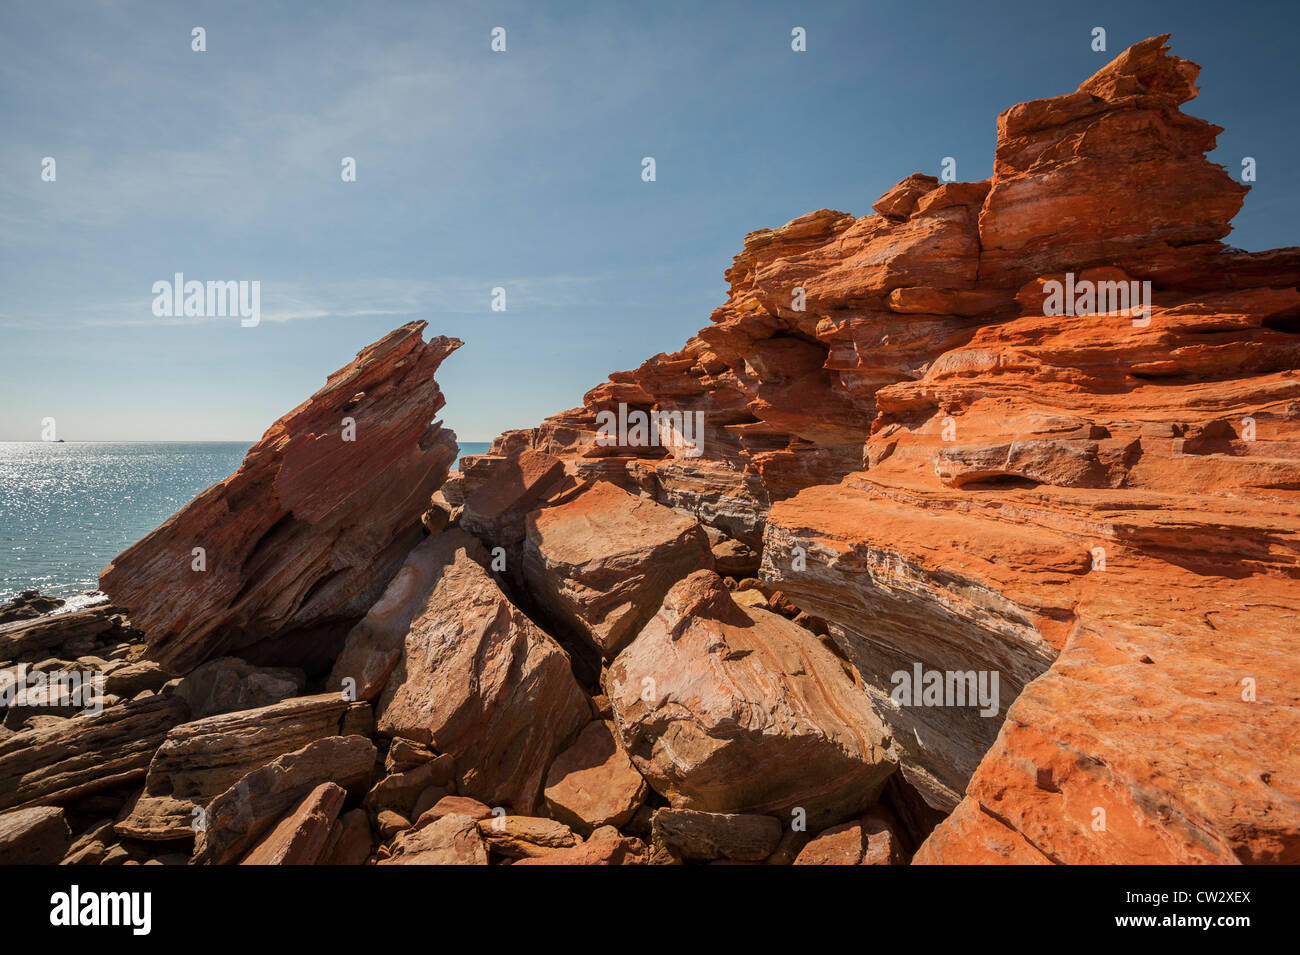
{"x": 68, "y": 508}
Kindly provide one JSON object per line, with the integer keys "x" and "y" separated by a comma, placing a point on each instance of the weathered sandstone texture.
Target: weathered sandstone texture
{"x": 66, "y": 759}
{"x": 300, "y": 837}
{"x": 1097, "y": 508}
{"x": 601, "y": 561}
{"x": 470, "y": 675}
{"x": 306, "y": 534}
{"x": 946, "y": 573}
{"x": 728, "y": 709}
{"x": 199, "y": 760}
{"x": 236, "y": 817}
{"x": 593, "y": 783}
{"x": 38, "y": 835}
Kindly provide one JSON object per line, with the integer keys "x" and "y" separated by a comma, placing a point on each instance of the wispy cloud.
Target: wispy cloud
{"x": 288, "y": 301}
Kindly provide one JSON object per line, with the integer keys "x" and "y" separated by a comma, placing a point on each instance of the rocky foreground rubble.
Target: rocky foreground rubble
{"x": 648, "y": 651}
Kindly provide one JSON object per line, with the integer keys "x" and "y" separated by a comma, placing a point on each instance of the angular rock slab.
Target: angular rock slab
{"x": 499, "y": 490}
{"x": 525, "y": 837}
{"x": 870, "y": 840}
{"x": 237, "y": 817}
{"x": 727, "y": 709}
{"x": 602, "y": 561}
{"x": 743, "y": 837}
{"x": 457, "y": 805}
{"x": 593, "y": 783}
{"x": 399, "y": 791}
{"x": 623, "y": 850}
{"x": 201, "y": 759}
{"x": 67, "y": 759}
{"x": 475, "y": 679}
{"x": 38, "y": 835}
{"x": 300, "y": 837}
{"x": 312, "y": 526}
{"x": 349, "y": 841}
{"x": 450, "y": 840}
{"x": 375, "y": 645}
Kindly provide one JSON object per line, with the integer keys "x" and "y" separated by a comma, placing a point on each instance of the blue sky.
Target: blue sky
{"x": 478, "y": 169}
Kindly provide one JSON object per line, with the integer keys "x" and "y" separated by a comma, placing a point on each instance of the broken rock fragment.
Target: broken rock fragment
{"x": 730, "y": 709}
{"x": 349, "y": 841}
{"x": 38, "y": 835}
{"x": 234, "y": 819}
{"x": 708, "y": 835}
{"x": 619, "y": 850}
{"x": 300, "y": 837}
{"x": 66, "y": 759}
{"x": 200, "y": 759}
{"x": 522, "y": 837}
{"x": 593, "y": 783}
{"x": 452, "y": 839}
{"x": 601, "y": 561}
{"x": 474, "y": 678}
{"x": 870, "y": 840}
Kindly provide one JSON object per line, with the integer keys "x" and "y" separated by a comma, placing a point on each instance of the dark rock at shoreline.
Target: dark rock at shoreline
{"x": 28, "y": 604}
{"x": 24, "y": 638}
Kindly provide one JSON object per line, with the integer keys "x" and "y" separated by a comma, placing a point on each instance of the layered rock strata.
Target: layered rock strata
{"x": 949, "y": 540}
{"x": 959, "y": 471}
{"x": 306, "y": 534}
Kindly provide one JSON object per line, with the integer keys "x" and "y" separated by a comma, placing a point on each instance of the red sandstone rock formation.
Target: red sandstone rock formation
{"x": 601, "y": 561}
{"x": 452, "y": 839}
{"x": 945, "y": 475}
{"x": 300, "y": 837}
{"x": 593, "y": 783}
{"x": 866, "y": 841}
{"x": 727, "y": 709}
{"x": 240, "y": 814}
{"x": 469, "y": 674}
{"x": 307, "y": 533}
{"x": 199, "y": 760}
{"x": 1099, "y": 509}
{"x": 37, "y": 835}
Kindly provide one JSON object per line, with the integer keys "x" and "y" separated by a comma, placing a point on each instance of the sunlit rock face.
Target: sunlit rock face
{"x": 308, "y": 532}
{"x": 969, "y": 528}
{"x": 1094, "y": 499}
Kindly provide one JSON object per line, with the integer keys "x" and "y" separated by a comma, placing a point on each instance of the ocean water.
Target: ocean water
{"x": 471, "y": 447}
{"x": 67, "y": 509}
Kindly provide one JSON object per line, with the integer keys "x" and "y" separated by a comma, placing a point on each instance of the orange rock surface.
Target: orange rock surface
{"x": 1100, "y": 507}
{"x": 1016, "y": 465}
{"x": 303, "y": 538}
